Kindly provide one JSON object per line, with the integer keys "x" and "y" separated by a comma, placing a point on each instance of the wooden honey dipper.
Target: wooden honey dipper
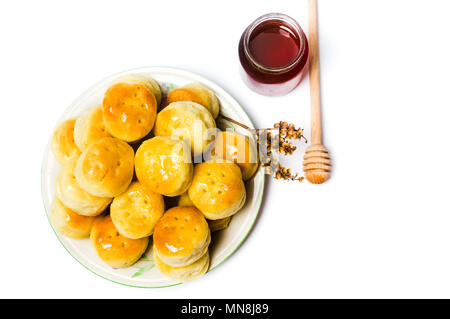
{"x": 316, "y": 162}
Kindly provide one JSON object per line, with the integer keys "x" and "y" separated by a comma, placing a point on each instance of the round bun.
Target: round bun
{"x": 198, "y": 93}
{"x": 129, "y": 111}
{"x": 218, "y": 224}
{"x": 164, "y": 164}
{"x": 181, "y": 236}
{"x": 105, "y": 168}
{"x": 239, "y": 149}
{"x": 68, "y": 222}
{"x": 63, "y": 144}
{"x": 136, "y": 211}
{"x": 217, "y": 189}
{"x": 184, "y": 200}
{"x": 89, "y": 128}
{"x": 147, "y": 81}
{"x": 113, "y": 248}
{"x": 76, "y": 198}
{"x": 186, "y": 273}
{"x": 189, "y": 121}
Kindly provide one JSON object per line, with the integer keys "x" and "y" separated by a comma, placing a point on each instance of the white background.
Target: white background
{"x": 379, "y": 228}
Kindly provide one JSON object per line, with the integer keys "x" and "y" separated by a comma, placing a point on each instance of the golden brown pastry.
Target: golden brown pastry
{"x": 136, "y": 211}
{"x": 198, "y": 93}
{"x": 164, "y": 164}
{"x": 68, "y": 222}
{"x": 129, "y": 110}
{"x": 186, "y": 273}
{"x": 76, "y": 198}
{"x": 63, "y": 144}
{"x": 218, "y": 224}
{"x": 113, "y": 248}
{"x": 181, "y": 236}
{"x": 239, "y": 149}
{"x": 214, "y": 225}
{"x": 189, "y": 121}
{"x": 89, "y": 128}
{"x": 105, "y": 168}
{"x": 149, "y": 82}
{"x": 217, "y": 189}
{"x": 184, "y": 200}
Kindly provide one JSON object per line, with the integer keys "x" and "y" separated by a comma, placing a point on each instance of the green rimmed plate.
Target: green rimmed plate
{"x": 144, "y": 273}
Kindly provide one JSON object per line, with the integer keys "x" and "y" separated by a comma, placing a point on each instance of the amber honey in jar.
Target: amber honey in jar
{"x": 273, "y": 52}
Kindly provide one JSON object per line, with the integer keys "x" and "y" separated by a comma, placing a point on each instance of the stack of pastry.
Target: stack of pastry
{"x": 97, "y": 171}
{"x": 180, "y": 243}
{"x": 97, "y": 197}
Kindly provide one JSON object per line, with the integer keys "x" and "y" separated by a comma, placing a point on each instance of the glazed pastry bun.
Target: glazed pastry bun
{"x": 113, "y": 248}
{"x": 105, "y": 168}
{"x": 136, "y": 211}
{"x": 181, "y": 236}
{"x": 89, "y": 128}
{"x": 239, "y": 149}
{"x": 63, "y": 144}
{"x": 189, "y": 121}
{"x": 198, "y": 93}
{"x": 164, "y": 164}
{"x": 218, "y": 224}
{"x": 68, "y": 222}
{"x": 76, "y": 198}
{"x": 186, "y": 273}
{"x": 149, "y": 82}
{"x": 129, "y": 110}
{"x": 217, "y": 189}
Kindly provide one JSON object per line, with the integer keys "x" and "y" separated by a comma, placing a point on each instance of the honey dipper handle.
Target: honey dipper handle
{"x": 314, "y": 76}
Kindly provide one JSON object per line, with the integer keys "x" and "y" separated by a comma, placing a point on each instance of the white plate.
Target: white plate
{"x": 224, "y": 243}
